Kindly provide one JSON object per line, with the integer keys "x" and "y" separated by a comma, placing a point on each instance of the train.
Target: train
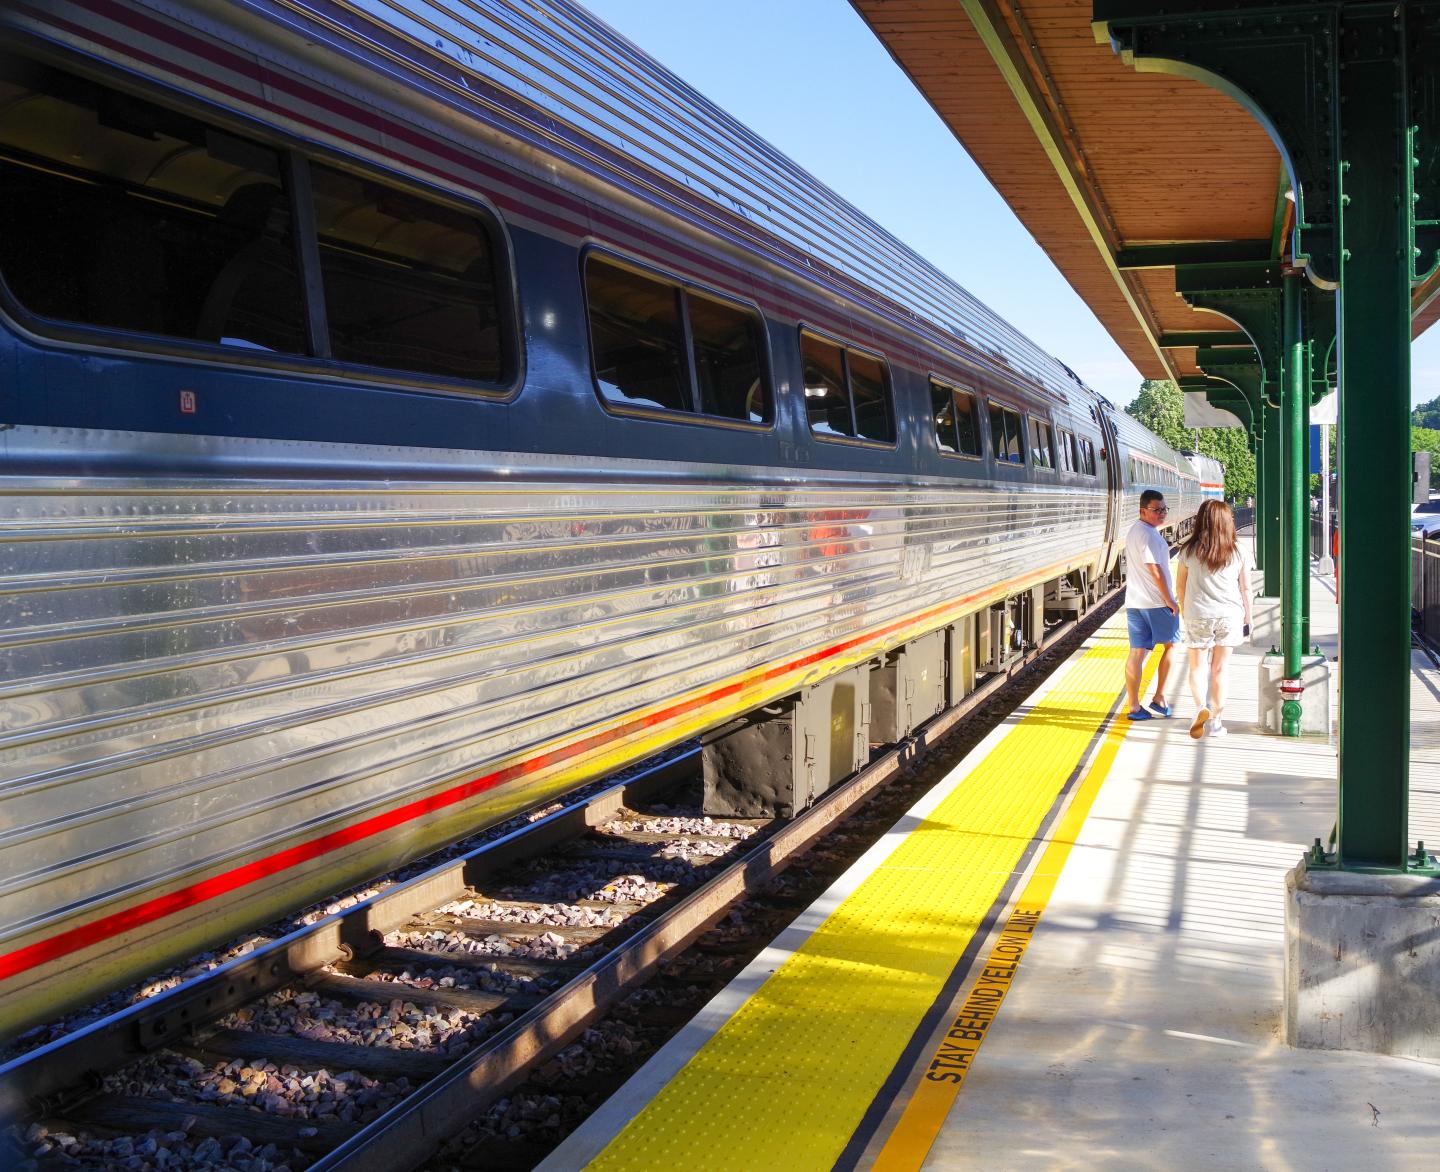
{"x": 409, "y": 416}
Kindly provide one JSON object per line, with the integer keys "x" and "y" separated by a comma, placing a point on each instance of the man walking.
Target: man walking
{"x": 1150, "y": 606}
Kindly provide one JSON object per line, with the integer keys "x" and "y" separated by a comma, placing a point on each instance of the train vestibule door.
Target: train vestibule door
{"x": 1115, "y": 488}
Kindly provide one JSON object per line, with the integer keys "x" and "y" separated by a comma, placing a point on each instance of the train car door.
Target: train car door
{"x": 1114, "y": 484}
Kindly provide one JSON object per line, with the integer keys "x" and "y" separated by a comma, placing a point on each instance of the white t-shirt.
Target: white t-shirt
{"x": 1214, "y": 594}
{"x": 1145, "y": 546}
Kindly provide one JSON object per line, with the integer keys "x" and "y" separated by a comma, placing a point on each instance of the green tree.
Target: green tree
{"x": 1427, "y": 439}
{"x": 1160, "y": 406}
{"x": 1427, "y": 415}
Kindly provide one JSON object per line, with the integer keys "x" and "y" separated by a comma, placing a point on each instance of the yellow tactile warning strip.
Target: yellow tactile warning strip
{"x": 950, "y": 1063}
{"x": 786, "y": 1080}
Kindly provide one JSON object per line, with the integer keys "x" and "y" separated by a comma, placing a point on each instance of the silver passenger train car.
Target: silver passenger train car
{"x": 409, "y": 416}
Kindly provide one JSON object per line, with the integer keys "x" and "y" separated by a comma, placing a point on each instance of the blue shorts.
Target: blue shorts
{"x": 1153, "y": 626}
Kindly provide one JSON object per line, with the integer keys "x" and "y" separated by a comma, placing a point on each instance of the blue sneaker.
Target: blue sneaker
{"x": 1138, "y": 714}
{"x": 1162, "y": 709}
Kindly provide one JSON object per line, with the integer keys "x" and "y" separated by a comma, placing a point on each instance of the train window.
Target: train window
{"x": 827, "y": 404}
{"x": 726, "y": 339}
{"x": 942, "y": 413}
{"x": 122, "y": 214}
{"x": 126, "y": 215}
{"x": 871, "y": 395}
{"x": 409, "y": 284}
{"x": 847, "y": 392}
{"x": 1087, "y": 457}
{"x": 1006, "y": 434}
{"x": 648, "y": 334}
{"x": 1069, "y": 452}
{"x": 957, "y": 429}
{"x": 637, "y": 339}
{"x": 1042, "y": 447}
{"x": 967, "y": 423}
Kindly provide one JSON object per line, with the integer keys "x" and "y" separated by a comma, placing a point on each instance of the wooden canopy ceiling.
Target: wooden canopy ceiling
{"x": 1117, "y": 174}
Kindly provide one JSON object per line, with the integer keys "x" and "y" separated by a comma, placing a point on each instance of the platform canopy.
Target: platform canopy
{"x": 1119, "y": 175}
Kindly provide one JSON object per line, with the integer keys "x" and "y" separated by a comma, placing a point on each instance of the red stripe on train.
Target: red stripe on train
{"x": 73, "y": 940}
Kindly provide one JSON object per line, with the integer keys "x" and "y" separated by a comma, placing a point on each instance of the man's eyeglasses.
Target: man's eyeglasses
{"x": 1158, "y": 508}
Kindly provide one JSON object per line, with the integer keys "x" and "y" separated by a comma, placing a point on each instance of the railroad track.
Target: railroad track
{"x": 368, "y": 1039}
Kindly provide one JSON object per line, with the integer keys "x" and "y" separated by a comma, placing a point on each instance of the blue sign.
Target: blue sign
{"x": 1315, "y": 448}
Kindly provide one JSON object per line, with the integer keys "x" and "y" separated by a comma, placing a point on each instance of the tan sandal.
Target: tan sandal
{"x": 1197, "y": 728}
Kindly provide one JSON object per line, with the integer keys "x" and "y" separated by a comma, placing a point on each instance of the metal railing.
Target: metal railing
{"x": 1424, "y": 575}
{"x": 1244, "y": 515}
{"x": 1425, "y": 584}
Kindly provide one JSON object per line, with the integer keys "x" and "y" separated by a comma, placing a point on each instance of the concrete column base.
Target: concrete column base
{"x": 1314, "y": 705}
{"x": 1264, "y": 622}
{"x": 1362, "y": 962}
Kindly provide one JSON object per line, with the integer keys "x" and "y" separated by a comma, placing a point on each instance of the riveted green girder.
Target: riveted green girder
{"x": 1284, "y": 61}
{"x": 1347, "y": 89}
{"x": 1249, "y": 295}
{"x": 1203, "y": 338}
{"x": 1294, "y": 493}
{"x": 1164, "y": 256}
{"x": 1227, "y": 397}
{"x": 1320, "y": 332}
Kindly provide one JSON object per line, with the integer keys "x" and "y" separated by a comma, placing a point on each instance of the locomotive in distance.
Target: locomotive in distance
{"x": 412, "y": 416}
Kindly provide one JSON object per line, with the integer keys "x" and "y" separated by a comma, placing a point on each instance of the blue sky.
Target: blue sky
{"x": 810, "y": 77}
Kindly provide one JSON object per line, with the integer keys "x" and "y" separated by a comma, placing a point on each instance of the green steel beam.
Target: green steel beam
{"x": 1320, "y": 326}
{"x": 1247, "y": 294}
{"x": 1295, "y": 515}
{"x": 1347, "y": 90}
{"x": 1167, "y": 256}
{"x": 1225, "y": 395}
{"x": 1210, "y": 358}
{"x": 1374, "y": 369}
{"x": 1268, "y": 517}
{"x": 1204, "y": 338}
{"x": 1218, "y": 385}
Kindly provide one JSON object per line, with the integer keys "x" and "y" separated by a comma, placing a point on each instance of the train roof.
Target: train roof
{"x": 575, "y": 69}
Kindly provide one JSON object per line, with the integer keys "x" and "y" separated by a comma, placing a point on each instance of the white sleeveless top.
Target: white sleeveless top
{"x": 1214, "y": 594}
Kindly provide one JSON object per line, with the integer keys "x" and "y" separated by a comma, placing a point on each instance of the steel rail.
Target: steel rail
{"x": 44, "y": 1079}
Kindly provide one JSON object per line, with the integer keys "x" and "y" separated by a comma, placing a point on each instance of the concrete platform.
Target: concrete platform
{"x": 1139, "y": 953}
{"x": 1145, "y": 1028}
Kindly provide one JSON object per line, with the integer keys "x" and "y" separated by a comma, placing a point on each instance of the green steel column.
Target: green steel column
{"x": 1259, "y": 525}
{"x": 1374, "y": 364}
{"x": 1268, "y": 518}
{"x": 1348, "y": 89}
{"x": 1305, "y": 500}
{"x": 1294, "y": 415}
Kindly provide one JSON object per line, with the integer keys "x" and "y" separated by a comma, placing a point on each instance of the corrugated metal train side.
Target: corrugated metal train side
{"x": 273, "y": 626}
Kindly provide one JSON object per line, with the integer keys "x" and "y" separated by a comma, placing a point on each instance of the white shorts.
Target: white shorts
{"x": 1203, "y": 633}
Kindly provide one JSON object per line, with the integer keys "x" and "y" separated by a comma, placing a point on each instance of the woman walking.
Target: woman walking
{"x": 1213, "y": 585}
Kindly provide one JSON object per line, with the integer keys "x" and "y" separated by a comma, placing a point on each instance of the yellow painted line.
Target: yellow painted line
{"x": 951, "y": 1062}
{"x": 798, "y": 1065}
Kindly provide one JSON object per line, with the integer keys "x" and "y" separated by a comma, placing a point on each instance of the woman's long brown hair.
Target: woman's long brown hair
{"x": 1212, "y": 541}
